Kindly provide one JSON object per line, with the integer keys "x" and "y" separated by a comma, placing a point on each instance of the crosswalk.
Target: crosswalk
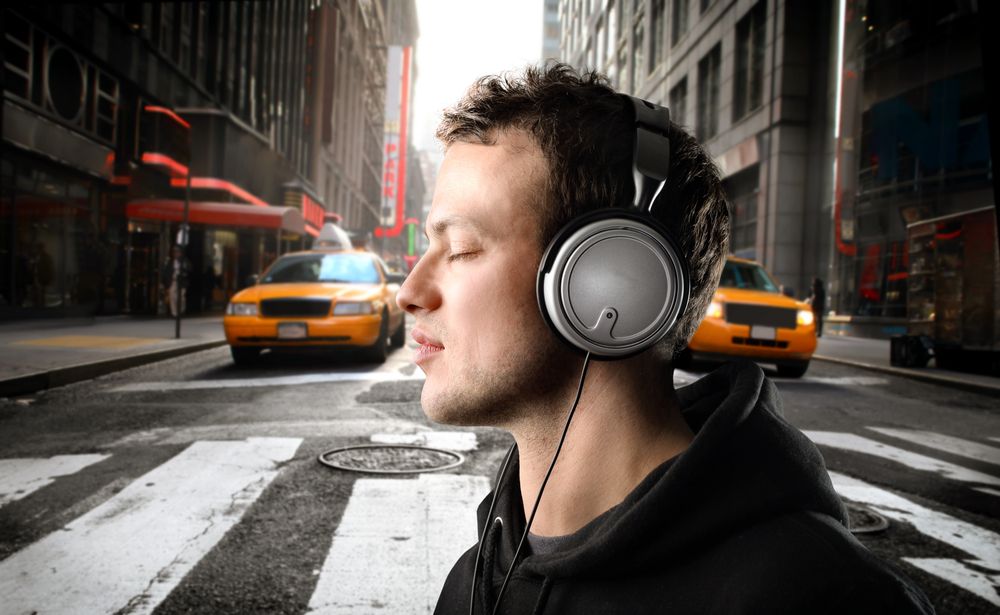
{"x": 398, "y": 536}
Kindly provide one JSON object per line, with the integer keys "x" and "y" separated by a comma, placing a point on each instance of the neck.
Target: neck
{"x": 624, "y": 427}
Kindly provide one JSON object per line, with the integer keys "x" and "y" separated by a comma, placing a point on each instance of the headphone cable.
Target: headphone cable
{"x": 538, "y": 498}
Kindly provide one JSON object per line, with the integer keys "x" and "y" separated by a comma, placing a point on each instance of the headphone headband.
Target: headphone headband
{"x": 651, "y": 154}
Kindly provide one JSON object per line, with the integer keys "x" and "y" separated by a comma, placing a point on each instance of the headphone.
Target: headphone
{"x": 613, "y": 282}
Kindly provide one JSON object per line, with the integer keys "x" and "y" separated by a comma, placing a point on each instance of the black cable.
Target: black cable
{"x": 486, "y": 528}
{"x": 538, "y": 498}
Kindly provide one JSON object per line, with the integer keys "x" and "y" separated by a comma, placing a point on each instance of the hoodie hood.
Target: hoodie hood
{"x": 745, "y": 465}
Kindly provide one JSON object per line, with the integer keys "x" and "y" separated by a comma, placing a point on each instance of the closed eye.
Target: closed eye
{"x": 462, "y": 256}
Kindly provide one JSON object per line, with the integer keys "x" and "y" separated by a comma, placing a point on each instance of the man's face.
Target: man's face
{"x": 483, "y": 344}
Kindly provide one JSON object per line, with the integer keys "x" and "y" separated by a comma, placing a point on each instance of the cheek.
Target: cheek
{"x": 496, "y": 308}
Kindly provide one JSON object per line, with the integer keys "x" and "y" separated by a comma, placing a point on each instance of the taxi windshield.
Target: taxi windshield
{"x": 747, "y": 276}
{"x": 332, "y": 268}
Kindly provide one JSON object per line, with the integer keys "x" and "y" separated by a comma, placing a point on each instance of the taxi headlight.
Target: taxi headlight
{"x": 714, "y": 310}
{"x": 804, "y": 318}
{"x": 353, "y": 308}
{"x": 241, "y": 309}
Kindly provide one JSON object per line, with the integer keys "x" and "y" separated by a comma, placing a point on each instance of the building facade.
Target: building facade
{"x": 264, "y": 117}
{"x": 835, "y": 124}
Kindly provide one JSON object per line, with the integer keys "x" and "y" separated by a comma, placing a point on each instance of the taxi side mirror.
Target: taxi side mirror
{"x": 395, "y": 278}
{"x": 252, "y": 280}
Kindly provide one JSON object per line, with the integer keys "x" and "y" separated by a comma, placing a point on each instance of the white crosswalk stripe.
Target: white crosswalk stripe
{"x": 128, "y": 553}
{"x": 22, "y": 477}
{"x": 983, "y": 546}
{"x": 852, "y": 442}
{"x": 396, "y": 543}
{"x": 945, "y": 443}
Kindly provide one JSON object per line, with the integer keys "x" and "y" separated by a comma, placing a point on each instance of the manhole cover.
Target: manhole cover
{"x": 863, "y": 520}
{"x": 390, "y": 458}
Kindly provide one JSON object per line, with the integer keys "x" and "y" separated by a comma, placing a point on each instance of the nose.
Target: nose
{"x": 419, "y": 291}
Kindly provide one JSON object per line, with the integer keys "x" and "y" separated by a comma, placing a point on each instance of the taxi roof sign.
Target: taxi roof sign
{"x": 332, "y": 237}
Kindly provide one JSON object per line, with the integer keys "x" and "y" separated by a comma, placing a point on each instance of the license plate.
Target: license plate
{"x": 292, "y": 331}
{"x": 763, "y": 333}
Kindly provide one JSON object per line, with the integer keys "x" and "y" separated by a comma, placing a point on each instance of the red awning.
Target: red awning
{"x": 219, "y": 214}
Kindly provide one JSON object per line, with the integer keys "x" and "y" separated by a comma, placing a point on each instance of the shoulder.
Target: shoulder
{"x": 454, "y": 597}
{"x": 821, "y": 568}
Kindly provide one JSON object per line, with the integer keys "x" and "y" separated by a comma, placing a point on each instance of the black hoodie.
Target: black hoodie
{"x": 743, "y": 521}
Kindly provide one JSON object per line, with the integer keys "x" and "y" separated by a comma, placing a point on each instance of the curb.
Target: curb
{"x": 955, "y": 383}
{"x": 60, "y": 376}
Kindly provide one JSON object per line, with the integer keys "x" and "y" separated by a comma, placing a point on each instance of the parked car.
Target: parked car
{"x": 333, "y": 296}
{"x": 750, "y": 317}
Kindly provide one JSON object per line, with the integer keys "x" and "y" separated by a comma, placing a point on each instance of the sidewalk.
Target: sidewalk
{"x": 873, "y": 354}
{"x": 37, "y": 355}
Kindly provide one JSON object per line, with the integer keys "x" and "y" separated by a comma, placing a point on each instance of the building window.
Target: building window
{"x": 18, "y": 60}
{"x": 614, "y": 30}
{"x": 637, "y": 46}
{"x": 748, "y": 83}
{"x": 679, "y": 24}
{"x": 167, "y": 30}
{"x": 742, "y": 190}
{"x": 600, "y": 44}
{"x": 105, "y": 107}
{"x": 708, "y": 94}
{"x": 622, "y": 65}
{"x": 657, "y": 33}
{"x": 678, "y": 102}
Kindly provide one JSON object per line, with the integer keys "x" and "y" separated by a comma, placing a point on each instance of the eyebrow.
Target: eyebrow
{"x": 441, "y": 226}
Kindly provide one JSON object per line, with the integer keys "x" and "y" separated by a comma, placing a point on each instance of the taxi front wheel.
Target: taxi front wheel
{"x": 398, "y": 338}
{"x": 793, "y": 370}
{"x": 243, "y": 356}
{"x": 378, "y": 351}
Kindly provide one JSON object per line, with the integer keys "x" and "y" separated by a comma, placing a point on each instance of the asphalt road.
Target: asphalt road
{"x": 192, "y": 486}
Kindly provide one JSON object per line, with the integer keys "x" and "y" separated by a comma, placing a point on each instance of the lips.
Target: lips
{"x": 428, "y": 345}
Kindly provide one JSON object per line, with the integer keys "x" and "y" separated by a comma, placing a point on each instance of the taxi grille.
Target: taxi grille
{"x": 295, "y": 307}
{"x": 749, "y": 341}
{"x": 750, "y": 314}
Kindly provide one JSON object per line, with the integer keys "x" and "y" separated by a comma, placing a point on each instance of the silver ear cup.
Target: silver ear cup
{"x": 614, "y": 288}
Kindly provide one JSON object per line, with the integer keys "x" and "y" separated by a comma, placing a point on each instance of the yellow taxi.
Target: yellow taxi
{"x": 750, "y": 317}
{"x": 330, "y": 296}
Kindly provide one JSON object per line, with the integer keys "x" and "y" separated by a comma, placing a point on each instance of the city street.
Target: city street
{"x": 189, "y": 485}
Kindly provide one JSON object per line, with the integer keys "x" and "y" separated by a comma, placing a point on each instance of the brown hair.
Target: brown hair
{"x": 585, "y": 132}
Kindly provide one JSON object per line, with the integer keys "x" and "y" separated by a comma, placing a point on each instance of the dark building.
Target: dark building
{"x": 113, "y": 113}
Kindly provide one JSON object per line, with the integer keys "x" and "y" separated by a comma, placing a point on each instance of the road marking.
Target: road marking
{"x": 948, "y": 444}
{"x": 129, "y": 552}
{"x": 397, "y": 542}
{"x": 88, "y": 341}
{"x": 448, "y": 440}
{"x": 22, "y": 477}
{"x": 857, "y": 381}
{"x": 239, "y": 383}
{"x": 983, "y": 545}
{"x": 851, "y": 442}
{"x": 984, "y": 585}
{"x": 987, "y": 491}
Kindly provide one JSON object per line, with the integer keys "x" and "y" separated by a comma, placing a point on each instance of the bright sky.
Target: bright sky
{"x": 462, "y": 40}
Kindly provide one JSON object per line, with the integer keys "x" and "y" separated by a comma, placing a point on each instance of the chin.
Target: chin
{"x": 449, "y": 408}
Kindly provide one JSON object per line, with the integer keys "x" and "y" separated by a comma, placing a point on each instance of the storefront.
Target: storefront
{"x": 228, "y": 243}
{"x": 914, "y": 146}
{"x": 61, "y": 241}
